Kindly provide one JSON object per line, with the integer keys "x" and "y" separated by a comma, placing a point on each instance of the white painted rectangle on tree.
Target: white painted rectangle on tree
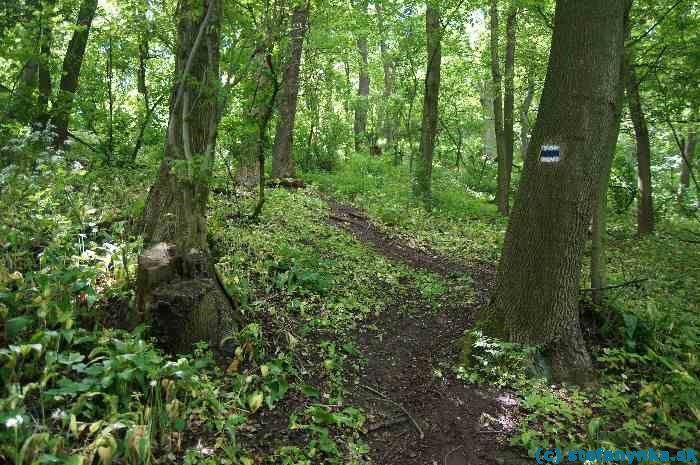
{"x": 550, "y": 154}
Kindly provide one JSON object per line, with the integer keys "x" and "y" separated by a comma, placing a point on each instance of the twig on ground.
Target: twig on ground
{"x": 403, "y": 409}
{"x": 452, "y": 452}
{"x": 616, "y": 286}
{"x": 387, "y": 423}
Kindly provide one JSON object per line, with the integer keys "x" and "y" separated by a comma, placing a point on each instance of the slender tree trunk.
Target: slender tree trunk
{"x": 645, "y": 203}
{"x": 248, "y": 173}
{"x": 110, "y": 94}
{"x": 535, "y": 300}
{"x": 424, "y": 168}
{"x": 525, "y": 114}
{"x": 488, "y": 128}
{"x": 503, "y": 166}
{"x": 387, "y": 65}
{"x": 72, "y": 63}
{"x": 362, "y": 105}
{"x": 282, "y": 156}
{"x": 177, "y": 286}
{"x": 687, "y": 162}
{"x": 508, "y": 110}
{"x": 31, "y": 96}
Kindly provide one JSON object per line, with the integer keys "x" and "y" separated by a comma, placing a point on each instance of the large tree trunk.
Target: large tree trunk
{"x": 424, "y": 168}
{"x": 387, "y": 65}
{"x": 72, "y": 63}
{"x": 282, "y": 156}
{"x": 535, "y": 300}
{"x": 645, "y": 203}
{"x": 362, "y": 104}
{"x": 503, "y": 167}
{"x": 177, "y": 287}
{"x": 508, "y": 110}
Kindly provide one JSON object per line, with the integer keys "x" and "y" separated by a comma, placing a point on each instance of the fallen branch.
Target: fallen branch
{"x": 615, "y": 286}
{"x": 387, "y": 423}
{"x": 403, "y": 409}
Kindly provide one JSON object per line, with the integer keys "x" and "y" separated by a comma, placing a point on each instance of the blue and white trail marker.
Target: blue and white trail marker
{"x": 550, "y": 154}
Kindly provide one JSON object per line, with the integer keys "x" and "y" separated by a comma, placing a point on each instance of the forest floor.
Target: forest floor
{"x": 356, "y": 301}
{"x": 417, "y": 413}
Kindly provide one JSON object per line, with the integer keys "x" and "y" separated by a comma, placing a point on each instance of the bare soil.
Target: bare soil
{"x": 418, "y": 412}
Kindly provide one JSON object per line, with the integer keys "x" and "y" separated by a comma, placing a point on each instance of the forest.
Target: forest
{"x": 390, "y": 232}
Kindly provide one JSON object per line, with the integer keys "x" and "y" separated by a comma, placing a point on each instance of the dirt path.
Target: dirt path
{"x": 418, "y": 413}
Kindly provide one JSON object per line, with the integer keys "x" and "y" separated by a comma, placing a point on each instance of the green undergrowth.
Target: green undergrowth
{"x": 76, "y": 389}
{"x": 644, "y": 338}
{"x": 461, "y": 223}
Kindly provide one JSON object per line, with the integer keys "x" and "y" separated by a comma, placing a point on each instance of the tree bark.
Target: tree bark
{"x": 535, "y": 300}
{"x": 687, "y": 162}
{"x": 387, "y": 65}
{"x": 503, "y": 166}
{"x": 508, "y": 109}
{"x": 282, "y": 156}
{"x": 362, "y": 104}
{"x": 488, "y": 128}
{"x": 178, "y": 289}
{"x": 72, "y": 63}
{"x": 248, "y": 173}
{"x": 525, "y": 114}
{"x": 31, "y": 96}
{"x": 645, "y": 202}
{"x": 424, "y": 168}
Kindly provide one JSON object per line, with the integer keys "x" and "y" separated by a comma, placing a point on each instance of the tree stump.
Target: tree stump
{"x": 181, "y": 297}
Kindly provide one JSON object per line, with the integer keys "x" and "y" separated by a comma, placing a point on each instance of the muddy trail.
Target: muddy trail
{"x": 418, "y": 413}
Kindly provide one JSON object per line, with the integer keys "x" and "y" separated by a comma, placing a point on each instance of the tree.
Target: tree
{"x": 687, "y": 161}
{"x": 506, "y": 168}
{"x": 70, "y": 73}
{"x": 424, "y": 168}
{"x": 645, "y": 203}
{"x": 282, "y": 158}
{"x": 33, "y": 91}
{"x": 177, "y": 284}
{"x": 503, "y": 167}
{"x": 535, "y": 300}
{"x": 387, "y": 119}
{"x": 362, "y": 105}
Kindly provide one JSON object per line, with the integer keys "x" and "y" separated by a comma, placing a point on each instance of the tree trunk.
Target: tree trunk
{"x": 525, "y": 114}
{"x": 508, "y": 110}
{"x": 31, "y": 96}
{"x": 535, "y": 300}
{"x": 503, "y": 166}
{"x": 110, "y": 101}
{"x": 645, "y": 203}
{"x": 387, "y": 65}
{"x": 362, "y": 104}
{"x": 72, "y": 63}
{"x": 424, "y": 168}
{"x": 488, "y": 128}
{"x": 282, "y": 156}
{"x": 249, "y": 173}
{"x": 177, "y": 285}
{"x": 687, "y": 162}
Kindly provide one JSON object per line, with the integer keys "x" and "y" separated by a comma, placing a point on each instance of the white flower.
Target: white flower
{"x": 58, "y": 414}
{"x": 153, "y": 383}
{"x": 14, "y": 422}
